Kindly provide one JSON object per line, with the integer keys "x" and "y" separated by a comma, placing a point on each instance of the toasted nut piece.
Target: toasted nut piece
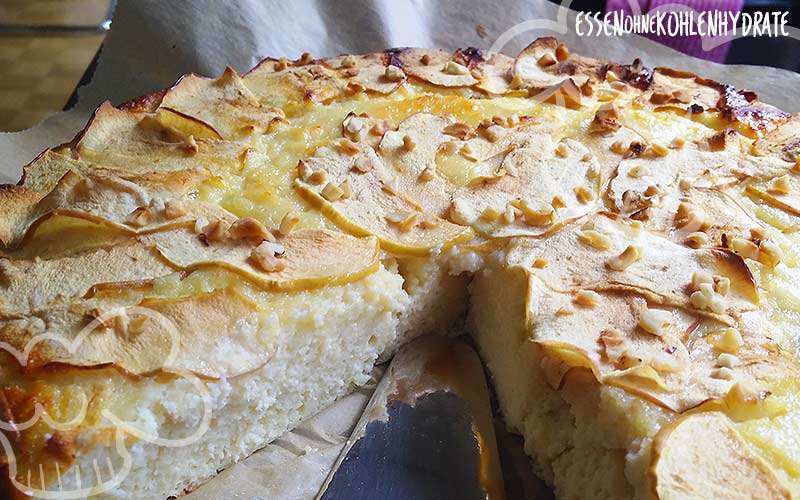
{"x": 476, "y": 73}
{"x": 427, "y": 173}
{"x": 562, "y": 150}
{"x": 595, "y": 239}
{"x": 494, "y": 133}
{"x": 677, "y": 143}
{"x": 458, "y": 129}
{"x": 216, "y": 231}
{"x": 305, "y": 58}
{"x": 780, "y": 185}
{"x": 700, "y": 277}
{"x": 707, "y": 298}
{"x": 393, "y": 73}
{"x": 696, "y": 240}
{"x": 174, "y": 209}
{"x": 467, "y": 152}
{"x": 363, "y": 164}
{"x": 586, "y": 89}
{"x": 655, "y": 321}
{"x": 557, "y": 202}
{"x": 408, "y": 143}
{"x": 565, "y": 311}
{"x": 490, "y": 214}
{"x": 721, "y": 374}
{"x": 425, "y": 59}
{"x": 546, "y": 60}
{"x": 318, "y": 177}
{"x": 264, "y": 259}
{"x": 332, "y": 192}
{"x": 652, "y": 190}
{"x": 348, "y": 147}
{"x": 684, "y": 185}
{"x": 628, "y": 256}
{"x": 248, "y": 228}
{"x": 611, "y": 76}
{"x": 727, "y": 360}
{"x": 562, "y": 52}
{"x": 587, "y": 298}
{"x": 744, "y": 248}
{"x": 513, "y": 120}
{"x": 540, "y": 263}
{"x": 726, "y": 340}
{"x": 587, "y": 157}
{"x": 303, "y": 170}
{"x": 510, "y": 214}
{"x": 140, "y": 217}
{"x": 347, "y": 190}
{"x": 534, "y": 217}
{"x": 638, "y": 171}
{"x": 658, "y": 149}
{"x": 619, "y": 148}
{"x": 288, "y": 223}
{"x": 722, "y": 285}
{"x": 769, "y": 253}
{"x": 379, "y": 128}
{"x": 404, "y": 221}
{"x": 614, "y": 347}
{"x": 453, "y": 68}
{"x": 659, "y": 98}
{"x": 348, "y": 61}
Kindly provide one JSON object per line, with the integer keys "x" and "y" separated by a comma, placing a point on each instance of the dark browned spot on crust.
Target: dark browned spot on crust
{"x": 742, "y": 106}
{"x": 61, "y": 446}
{"x": 635, "y": 74}
{"x": 147, "y": 103}
{"x": 469, "y": 57}
{"x": 391, "y": 57}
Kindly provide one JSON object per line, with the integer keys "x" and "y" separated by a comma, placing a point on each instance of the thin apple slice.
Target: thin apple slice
{"x": 703, "y": 456}
{"x": 225, "y": 104}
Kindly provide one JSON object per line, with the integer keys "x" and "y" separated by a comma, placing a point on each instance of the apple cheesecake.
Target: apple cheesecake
{"x": 202, "y": 268}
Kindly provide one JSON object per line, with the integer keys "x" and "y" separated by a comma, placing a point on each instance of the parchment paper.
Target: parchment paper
{"x": 153, "y": 42}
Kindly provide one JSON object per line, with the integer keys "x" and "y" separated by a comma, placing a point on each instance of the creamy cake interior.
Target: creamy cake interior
{"x": 224, "y": 258}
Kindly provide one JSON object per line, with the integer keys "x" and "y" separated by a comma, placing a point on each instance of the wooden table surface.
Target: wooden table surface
{"x": 40, "y": 70}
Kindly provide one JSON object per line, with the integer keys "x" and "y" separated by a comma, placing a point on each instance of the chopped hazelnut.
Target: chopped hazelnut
{"x": 584, "y": 194}
{"x": 494, "y": 133}
{"x": 562, "y": 150}
{"x": 540, "y": 263}
{"x": 393, "y": 73}
{"x": 348, "y": 147}
{"x": 288, "y": 223}
{"x": 427, "y": 174}
{"x": 453, "y": 68}
{"x": 348, "y": 61}
{"x": 174, "y": 209}
{"x": 248, "y": 228}
{"x": 363, "y": 164}
{"x": 347, "y": 190}
{"x": 726, "y": 340}
{"x": 558, "y": 202}
{"x": 216, "y": 231}
{"x": 264, "y": 258}
{"x": 677, "y": 143}
{"x": 546, "y": 60}
{"x": 638, "y": 171}
{"x": 332, "y": 192}
{"x": 595, "y": 239}
{"x": 744, "y": 248}
{"x": 658, "y": 149}
{"x": 458, "y": 129}
{"x": 654, "y": 321}
{"x": 587, "y": 298}
{"x": 562, "y": 52}
{"x": 140, "y": 217}
{"x": 404, "y": 221}
{"x": 769, "y": 253}
{"x": 624, "y": 260}
{"x": 408, "y": 143}
{"x": 490, "y": 214}
{"x": 425, "y": 59}
{"x": 727, "y": 360}
{"x": 318, "y": 177}
{"x": 696, "y": 240}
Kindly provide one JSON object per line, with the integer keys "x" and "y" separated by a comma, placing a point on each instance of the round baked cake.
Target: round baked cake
{"x": 202, "y": 268}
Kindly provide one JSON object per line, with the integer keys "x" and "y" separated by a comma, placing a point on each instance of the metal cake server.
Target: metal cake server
{"x": 426, "y": 434}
